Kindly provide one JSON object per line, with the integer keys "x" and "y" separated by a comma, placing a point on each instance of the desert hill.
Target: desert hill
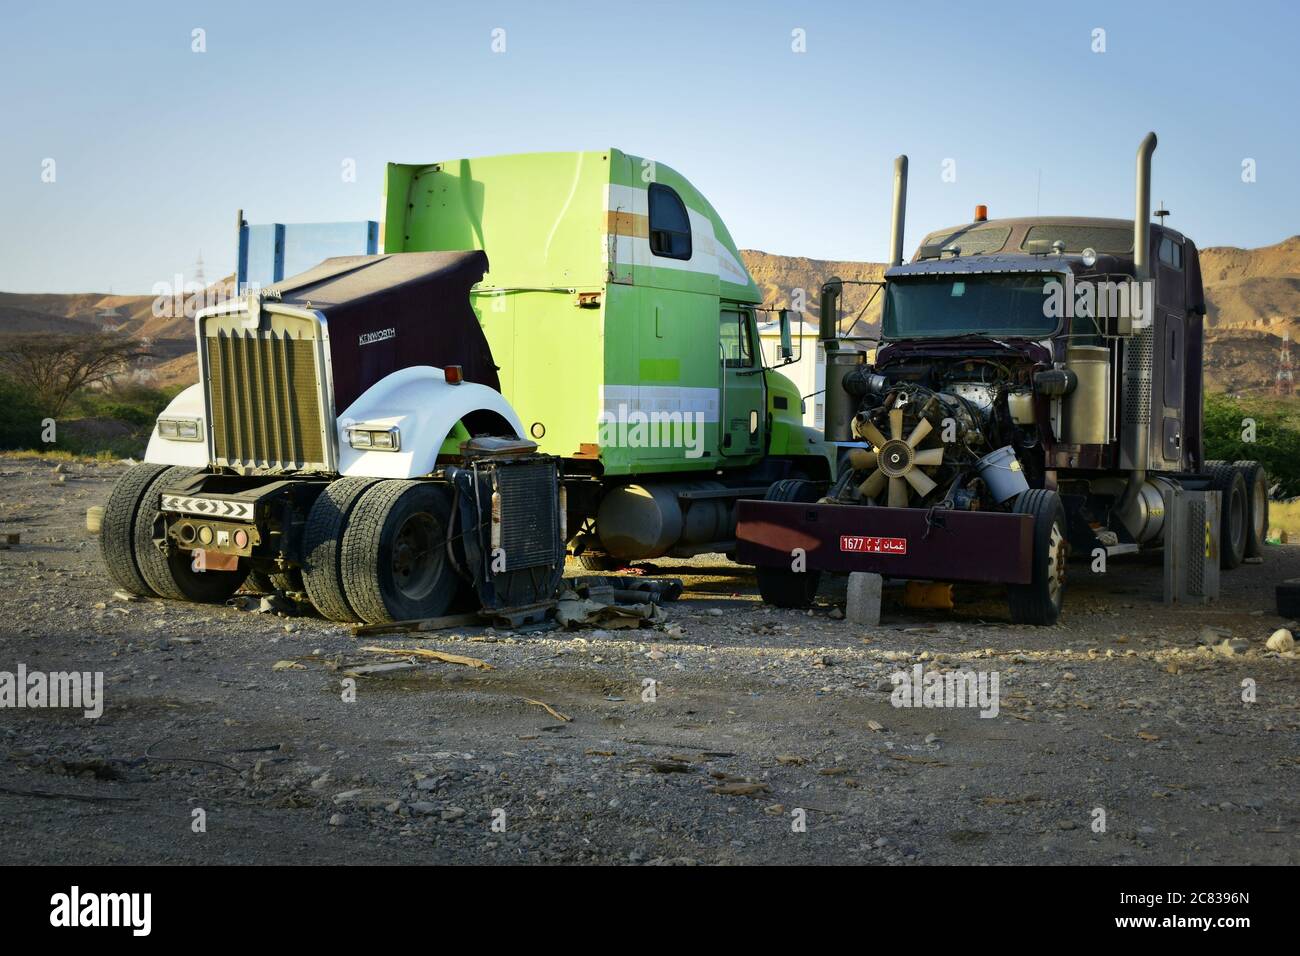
{"x": 1253, "y": 297}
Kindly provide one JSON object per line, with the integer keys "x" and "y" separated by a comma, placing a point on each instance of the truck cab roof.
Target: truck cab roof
{"x": 1014, "y": 236}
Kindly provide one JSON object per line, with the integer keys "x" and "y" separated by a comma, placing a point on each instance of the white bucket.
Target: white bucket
{"x": 1002, "y": 474}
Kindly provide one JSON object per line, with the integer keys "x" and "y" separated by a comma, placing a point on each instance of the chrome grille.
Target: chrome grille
{"x": 265, "y": 400}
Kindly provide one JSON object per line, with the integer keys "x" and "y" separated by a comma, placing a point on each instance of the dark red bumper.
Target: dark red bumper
{"x": 897, "y": 542}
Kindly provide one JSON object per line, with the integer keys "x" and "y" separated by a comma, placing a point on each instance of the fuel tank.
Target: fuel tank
{"x": 679, "y": 519}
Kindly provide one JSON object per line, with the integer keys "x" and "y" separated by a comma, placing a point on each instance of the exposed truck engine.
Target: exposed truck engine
{"x": 1035, "y": 393}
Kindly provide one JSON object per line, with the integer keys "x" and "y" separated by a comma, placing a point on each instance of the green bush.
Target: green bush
{"x": 1276, "y": 434}
{"x": 79, "y": 430}
{"x": 20, "y": 419}
{"x": 136, "y": 404}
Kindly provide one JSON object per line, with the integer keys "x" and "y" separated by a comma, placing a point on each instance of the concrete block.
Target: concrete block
{"x": 864, "y": 598}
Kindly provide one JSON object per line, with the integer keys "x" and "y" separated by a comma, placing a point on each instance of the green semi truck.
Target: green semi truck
{"x": 623, "y": 322}
{"x": 551, "y": 350}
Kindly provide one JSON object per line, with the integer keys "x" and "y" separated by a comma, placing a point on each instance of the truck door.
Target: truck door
{"x": 1171, "y": 349}
{"x": 742, "y": 418}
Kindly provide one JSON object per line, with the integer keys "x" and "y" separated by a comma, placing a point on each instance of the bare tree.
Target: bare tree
{"x": 53, "y": 367}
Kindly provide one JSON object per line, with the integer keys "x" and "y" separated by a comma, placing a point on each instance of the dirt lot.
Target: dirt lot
{"x": 1123, "y": 708}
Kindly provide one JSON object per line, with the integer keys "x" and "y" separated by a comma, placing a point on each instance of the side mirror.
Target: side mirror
{"x": 787, "y": 345}
{"x": 832, "y": 290}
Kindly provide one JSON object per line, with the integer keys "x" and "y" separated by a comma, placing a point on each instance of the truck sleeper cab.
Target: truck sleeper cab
{"x": 623, "y": 321}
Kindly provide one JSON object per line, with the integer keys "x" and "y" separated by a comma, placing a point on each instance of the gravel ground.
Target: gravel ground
{"x": 770, "y": 738}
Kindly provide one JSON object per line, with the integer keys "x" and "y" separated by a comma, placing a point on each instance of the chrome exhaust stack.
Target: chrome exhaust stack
{"x": 1142, "y": 215}
{"x": 900, "y": 212}
{"x": 1139, "y": 349}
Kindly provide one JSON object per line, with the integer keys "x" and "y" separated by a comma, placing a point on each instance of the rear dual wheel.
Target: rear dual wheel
{"x": 132, "y": 558}
{"x": 1256, "y": 506}
{"x": 1234, "y": 511}
{"x": 394, "y": 559}
{"x": 322, "y": 546}
{"x": 117, "y": 532}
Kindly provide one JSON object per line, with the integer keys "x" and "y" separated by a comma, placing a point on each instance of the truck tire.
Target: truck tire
{"x": 782, "y": 587}
{"x": 1256, "y": 506}
{"x": 394, "y": 555}
{"x": 172, "y": 575}
{"x": 117, "y": 532}
{"x": 322, "y": 540}
{"x": 600, "y": 563}
{"x": 261, "y": 582}
{"x": 1233, "y": 512}
{"x": 290, "y": 582}
{"x": 1040, "y": 601}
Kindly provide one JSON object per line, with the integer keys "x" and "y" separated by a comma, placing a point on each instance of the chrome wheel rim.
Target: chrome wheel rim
{"x": 1238, "y": 519}
{"x": 1056, "y": 565}
{"x": 1259, "y": 494}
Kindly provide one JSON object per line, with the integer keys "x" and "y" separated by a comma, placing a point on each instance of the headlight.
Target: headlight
{"x": 180, "y": 429}
{"x": 375, "y": 439}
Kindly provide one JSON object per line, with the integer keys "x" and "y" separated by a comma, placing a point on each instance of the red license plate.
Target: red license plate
{"x": 852, "y": 542}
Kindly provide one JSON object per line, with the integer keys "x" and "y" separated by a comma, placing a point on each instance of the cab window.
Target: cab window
{"x": 734, "y": 335}
{"x": 670, "y": 227}
{"x": 1171, "y": 253}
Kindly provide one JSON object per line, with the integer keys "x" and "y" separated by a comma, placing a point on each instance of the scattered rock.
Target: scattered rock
{"x": 1280, "y": 641}
{"x": 1233, "y": 647}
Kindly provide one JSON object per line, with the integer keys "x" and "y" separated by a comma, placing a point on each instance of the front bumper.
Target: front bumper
{"x": 919, "y": 543}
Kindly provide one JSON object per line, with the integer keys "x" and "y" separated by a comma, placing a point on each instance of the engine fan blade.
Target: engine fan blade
{"x": 919, "y": 480}
{"x": 872, "y": 434}
{"x": 874, "y": 484}
{"x": 895, "y": 423}
{"x": 861, "y": 459}
{"x": 923, "y": 428}
{"x": 928, "y": 456}
{"x": 898, "y": 492}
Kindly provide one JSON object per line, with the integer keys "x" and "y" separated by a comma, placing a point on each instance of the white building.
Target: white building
{"x": 809, "y": 373}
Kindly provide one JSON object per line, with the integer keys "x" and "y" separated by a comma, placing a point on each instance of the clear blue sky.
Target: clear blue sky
{"x": 156, "y": 146}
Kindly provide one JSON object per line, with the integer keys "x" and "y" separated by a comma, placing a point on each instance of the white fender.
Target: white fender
{"x": 424, "y": 408}
{"x": 189, "y": 404}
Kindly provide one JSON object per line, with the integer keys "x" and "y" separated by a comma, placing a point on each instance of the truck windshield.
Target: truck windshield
{"x": 939, "y": 305}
